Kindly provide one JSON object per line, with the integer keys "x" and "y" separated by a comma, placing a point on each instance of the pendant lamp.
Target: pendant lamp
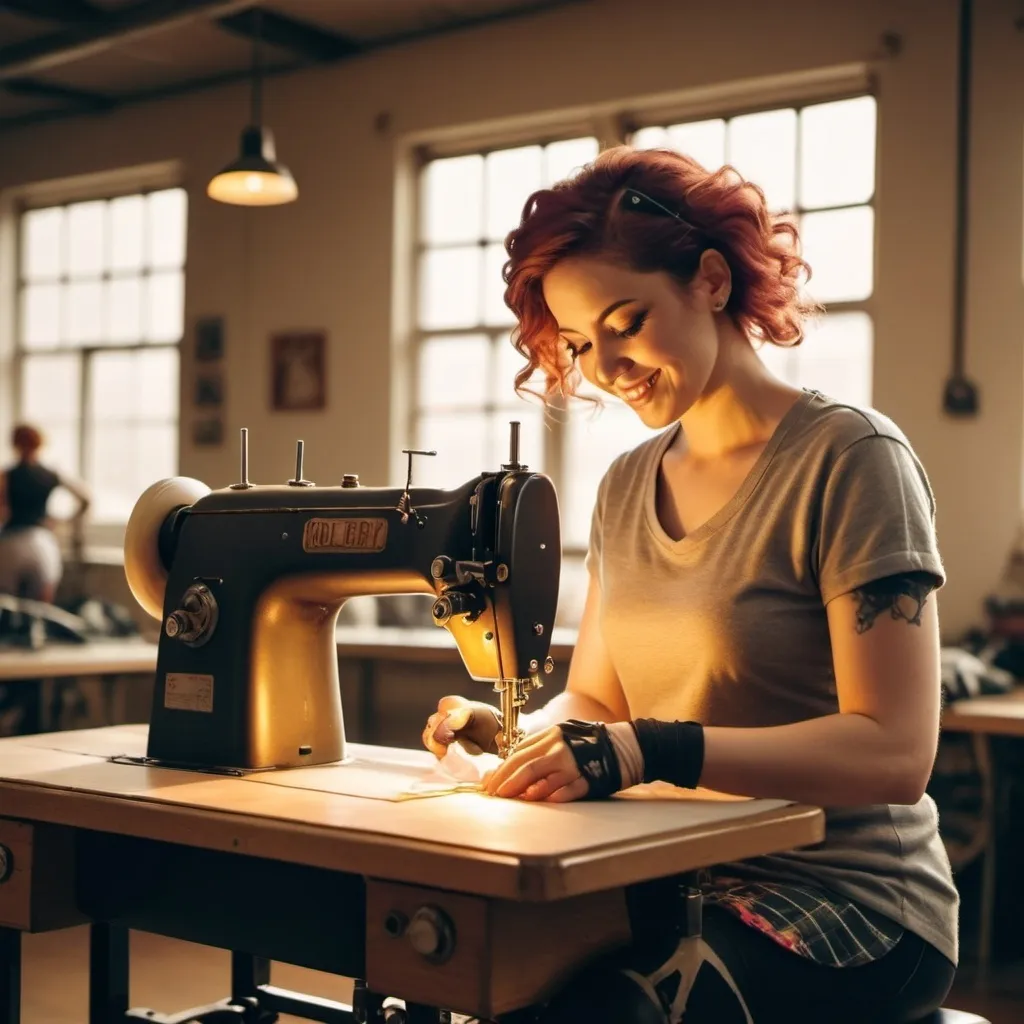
{"x": 255, "y": 178}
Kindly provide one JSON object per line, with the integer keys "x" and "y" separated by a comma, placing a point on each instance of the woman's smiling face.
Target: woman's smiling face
{"x": 643, "y": 337}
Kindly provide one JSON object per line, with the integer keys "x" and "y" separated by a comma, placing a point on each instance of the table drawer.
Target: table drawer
{"x": 495, "y": 956}
{"x": 37, "y": 876}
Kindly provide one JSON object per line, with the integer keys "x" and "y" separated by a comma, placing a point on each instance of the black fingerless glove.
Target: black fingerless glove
{"x": 673, "y": 751}
{"x": 595, "y": 757}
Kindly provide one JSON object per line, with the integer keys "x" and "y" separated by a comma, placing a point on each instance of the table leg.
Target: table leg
{"x": 248, "y": 972}
{"x": 367, "y": 700}
{"x": 108, "y": 973}
{"x": 986, "y": 769}
{"x": 10, "y": 976}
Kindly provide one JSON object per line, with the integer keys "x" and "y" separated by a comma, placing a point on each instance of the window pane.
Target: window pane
{"x": 453, "y": 372}
{"x": 450, "y": 288}
{"x": 86, "y": 239}
{"x": 496, "y": 313}
{"x": 762, "y": 147}
{"x": 562, "y": 159}
{"x": 113, "y": 387}
{"x": 83, "y": 313}
{"x": 127, "y": 217}
{"x": 531, "y": 436}
{"x": 839, "y": 246}
{"x": 40, "y": 315}
{"x": 460, "y": 440}
{"x": 452, "y": 200}
{"x": 165, "y": 227}
{"x": 165, "y": 307}
{"x": 595, "y": 438}
{"x": 124, "y": 310}
{"x": 60, "y": 453}
{"x": 157, "y": 384}
{"x": 837, "y": 153}
{"x": 42, "y": 243}
{"x": 510, "y": 176}
{"x": 158, "y": 458}
{"x": 654, "y": 137}
{"x": 111, "y": 468}
{"x": 836, "y": 357}
{"x": 51, "y": 388}
{"x": 704, "y": 141}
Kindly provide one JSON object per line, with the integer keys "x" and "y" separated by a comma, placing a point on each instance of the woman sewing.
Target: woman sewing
{"x": 761, "y": 616}
{"x": 30, "y": 556}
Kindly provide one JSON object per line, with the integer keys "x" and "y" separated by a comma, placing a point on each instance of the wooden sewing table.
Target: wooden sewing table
{"x": 517, "y": 895}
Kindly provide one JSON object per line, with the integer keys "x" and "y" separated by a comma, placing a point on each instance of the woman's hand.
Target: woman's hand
{"x": 542, "y": 768}
{"x": 475, "y": 724}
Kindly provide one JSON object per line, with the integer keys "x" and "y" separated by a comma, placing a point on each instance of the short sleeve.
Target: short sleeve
{"x": 877, "y": 518}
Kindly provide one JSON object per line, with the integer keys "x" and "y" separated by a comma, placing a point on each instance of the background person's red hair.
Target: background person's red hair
{"x": 718, "y": 210}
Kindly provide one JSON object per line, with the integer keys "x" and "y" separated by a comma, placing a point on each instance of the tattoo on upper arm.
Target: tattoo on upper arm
{"x": 902, "y": 596}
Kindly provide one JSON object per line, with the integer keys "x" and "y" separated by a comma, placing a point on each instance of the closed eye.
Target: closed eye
{"x": 635, "y": 327}
{"x": 575, "y": 351}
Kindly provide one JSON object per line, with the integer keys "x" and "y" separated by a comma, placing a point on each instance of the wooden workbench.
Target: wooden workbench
{"x": 61, "y": 660}
{"x": 201, "y": 856}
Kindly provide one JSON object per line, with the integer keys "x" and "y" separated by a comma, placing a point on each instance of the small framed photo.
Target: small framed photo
{"x": 208, "y": 432}
{"x": 209, "y": 339}
{"x": 298, "y": 371}
{"x": 209, "y": 391}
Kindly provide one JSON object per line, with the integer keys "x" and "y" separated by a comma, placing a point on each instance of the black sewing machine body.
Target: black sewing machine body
{"x": 247, "y": 671}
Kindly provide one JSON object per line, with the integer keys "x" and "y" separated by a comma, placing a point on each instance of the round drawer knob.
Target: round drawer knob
{"x": 432, "y": 934}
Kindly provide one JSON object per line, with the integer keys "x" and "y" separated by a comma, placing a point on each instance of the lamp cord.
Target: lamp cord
{"x": 257, "y": 69}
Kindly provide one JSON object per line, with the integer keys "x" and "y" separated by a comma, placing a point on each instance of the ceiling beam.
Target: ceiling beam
{"x": 74, "y": 11}
{"x": 304, "y": 40}
{"x": 128, "y": 24}
{"x": 49, "y": 91}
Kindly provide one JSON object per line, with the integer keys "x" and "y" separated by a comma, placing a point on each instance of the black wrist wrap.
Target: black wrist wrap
{"x": 595, "y": 757}
{"x": 673, "y": 751}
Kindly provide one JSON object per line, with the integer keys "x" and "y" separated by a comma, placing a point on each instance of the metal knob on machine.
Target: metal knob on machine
{"x": 455, "y": 602}
{"x": 431, "y": 933}
{"x": 194, "y": 622}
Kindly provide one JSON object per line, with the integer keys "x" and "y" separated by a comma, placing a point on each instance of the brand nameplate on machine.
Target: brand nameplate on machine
{"x": 188, "y": 691}
{"x": 345, "y": 535}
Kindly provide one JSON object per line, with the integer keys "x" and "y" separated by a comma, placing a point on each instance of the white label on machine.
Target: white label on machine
{"x": 188, "y": 691}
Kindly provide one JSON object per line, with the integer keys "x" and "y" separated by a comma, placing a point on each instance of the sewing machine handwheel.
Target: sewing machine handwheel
{"x": 147, "y": 576}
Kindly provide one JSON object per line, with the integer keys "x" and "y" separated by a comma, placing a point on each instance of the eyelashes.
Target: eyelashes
{"x": 636, "y": 325}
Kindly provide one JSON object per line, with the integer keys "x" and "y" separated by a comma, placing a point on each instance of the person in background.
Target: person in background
{"x": 30, "y": 557}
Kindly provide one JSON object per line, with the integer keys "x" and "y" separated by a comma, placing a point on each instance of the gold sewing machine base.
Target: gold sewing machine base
{"x": 480, "y": 905}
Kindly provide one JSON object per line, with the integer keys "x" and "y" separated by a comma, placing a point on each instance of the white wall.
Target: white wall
{"x": 326, "y": 261}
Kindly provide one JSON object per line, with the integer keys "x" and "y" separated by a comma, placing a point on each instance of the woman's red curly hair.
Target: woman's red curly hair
{"x": 718, "y": 209}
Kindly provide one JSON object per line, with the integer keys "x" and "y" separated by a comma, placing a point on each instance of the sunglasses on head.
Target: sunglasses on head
{"x": 640, "y": 203}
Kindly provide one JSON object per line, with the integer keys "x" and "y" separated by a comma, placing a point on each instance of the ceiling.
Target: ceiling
{"x": 67, "y": 58}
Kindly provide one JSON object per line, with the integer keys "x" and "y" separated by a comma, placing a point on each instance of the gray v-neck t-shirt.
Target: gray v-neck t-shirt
{"x": 728, "y": 626}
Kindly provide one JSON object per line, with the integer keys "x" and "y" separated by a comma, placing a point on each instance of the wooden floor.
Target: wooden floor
{"x": 168, "y": 976}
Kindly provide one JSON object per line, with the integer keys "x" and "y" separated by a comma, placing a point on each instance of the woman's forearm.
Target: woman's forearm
{"x": 561, "y": 708}
{"x": 841, "y": 760}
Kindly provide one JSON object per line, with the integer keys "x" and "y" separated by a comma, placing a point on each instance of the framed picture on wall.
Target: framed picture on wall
{"x": 209, "y": 389}
{"x": 209, "y": 339}
{"x": 208, "y": 432}
{"x": 298, "y": 371}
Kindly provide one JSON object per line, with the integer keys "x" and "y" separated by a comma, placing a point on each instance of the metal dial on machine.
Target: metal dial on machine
{"x": 194, "y": 622}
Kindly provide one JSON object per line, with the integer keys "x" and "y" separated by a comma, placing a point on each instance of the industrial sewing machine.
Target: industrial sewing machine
{"x": 248, "y": 582}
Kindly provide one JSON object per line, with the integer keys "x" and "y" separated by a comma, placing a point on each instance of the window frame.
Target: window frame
{"x": 130, "y": 182}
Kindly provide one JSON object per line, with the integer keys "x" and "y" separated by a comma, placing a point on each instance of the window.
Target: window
{"x": 100, "y": 320}
{"x": 815, "y": 162}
